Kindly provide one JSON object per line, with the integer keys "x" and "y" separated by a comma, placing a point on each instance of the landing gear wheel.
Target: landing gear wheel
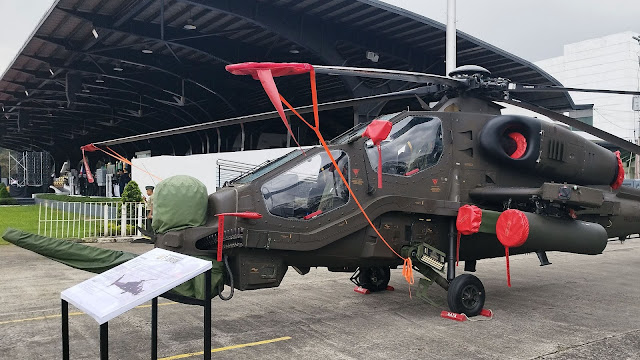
{"x": 466, "y": 295}
{"x": 374, "y": 278}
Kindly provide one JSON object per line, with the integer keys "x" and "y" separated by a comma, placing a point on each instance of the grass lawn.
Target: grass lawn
{"x": 25, "y": 218}
{"x": 19, "y": 217}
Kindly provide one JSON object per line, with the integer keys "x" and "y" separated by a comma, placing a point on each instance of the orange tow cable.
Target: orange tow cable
{"x": 407, "y": 267}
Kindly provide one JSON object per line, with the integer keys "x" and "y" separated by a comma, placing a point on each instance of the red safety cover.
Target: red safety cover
{"x": 512, "y": 228}
{"x": 620, "y": 176}
{"x": 521, "y": 143}
{"x": 378, "y": 130}
{"x": 469, "y": 219}
{"x": 277, "y": 69}
{"x": 89, "y": 147}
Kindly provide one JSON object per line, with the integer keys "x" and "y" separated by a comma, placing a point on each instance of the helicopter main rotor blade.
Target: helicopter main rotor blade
{"x": 423, "y": 90}
{"x": 409, "y": 76}
{"x": 521, "y": 88}
{"x": 617, "y": 141}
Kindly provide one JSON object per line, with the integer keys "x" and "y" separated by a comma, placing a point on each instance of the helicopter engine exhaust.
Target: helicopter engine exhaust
{"x": 549, "y": 150}
{"x": 516, "y": 228}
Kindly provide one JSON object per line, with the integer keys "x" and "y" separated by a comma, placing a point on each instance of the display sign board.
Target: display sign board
{"x": 137, "y": 281}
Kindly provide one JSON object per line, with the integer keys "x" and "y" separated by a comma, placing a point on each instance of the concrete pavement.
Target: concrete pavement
{"x": 584, "y": 307}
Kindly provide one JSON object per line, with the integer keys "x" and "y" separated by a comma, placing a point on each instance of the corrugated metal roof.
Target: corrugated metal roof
{"x": 126, "y": 90}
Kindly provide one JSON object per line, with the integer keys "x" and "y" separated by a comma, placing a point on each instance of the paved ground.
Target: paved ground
{"x": 581, "y": 307}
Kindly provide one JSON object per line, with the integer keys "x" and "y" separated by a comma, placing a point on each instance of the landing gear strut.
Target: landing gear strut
{"x": 466, "y": 295}
{"x": 466, "y": 292}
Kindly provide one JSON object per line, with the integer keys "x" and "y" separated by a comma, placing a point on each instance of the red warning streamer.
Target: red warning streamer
{"x": 244, "y": 215}
{"x": 297, "y": 68}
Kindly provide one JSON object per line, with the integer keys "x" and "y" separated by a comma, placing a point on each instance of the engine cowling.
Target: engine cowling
{"x": 547, "y": 149}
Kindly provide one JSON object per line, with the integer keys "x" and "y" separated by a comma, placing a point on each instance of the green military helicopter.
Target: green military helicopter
{"x": 417, "y": 189}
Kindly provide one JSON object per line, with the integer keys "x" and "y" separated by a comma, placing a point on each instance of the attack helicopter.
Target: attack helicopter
{"x": 456, "y": 181}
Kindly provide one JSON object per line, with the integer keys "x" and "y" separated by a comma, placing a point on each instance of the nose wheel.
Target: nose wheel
{"x": 466, "y": 295}
{"x": 375, "y": 278}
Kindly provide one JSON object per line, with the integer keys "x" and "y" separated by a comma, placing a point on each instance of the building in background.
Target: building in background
{"x": 608, "y": 62}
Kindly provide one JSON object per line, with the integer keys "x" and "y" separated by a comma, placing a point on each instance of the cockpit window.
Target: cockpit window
{"x": 256, "y": 173}
{"x": 309, "y": 189}
{"x": 414, "y": 144}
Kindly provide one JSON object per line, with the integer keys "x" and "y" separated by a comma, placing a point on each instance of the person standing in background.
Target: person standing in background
{"x": 124, "y": 180}
{"x": 149, "y": 201}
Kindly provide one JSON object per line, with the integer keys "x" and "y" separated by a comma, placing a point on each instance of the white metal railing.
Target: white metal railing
{"x": 97, "y": 220}
{"x": 229, "y": 170}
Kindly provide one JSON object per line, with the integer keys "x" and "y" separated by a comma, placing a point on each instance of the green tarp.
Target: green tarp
{"x": 179, "y": 202}
{"x": 98, "y": 260}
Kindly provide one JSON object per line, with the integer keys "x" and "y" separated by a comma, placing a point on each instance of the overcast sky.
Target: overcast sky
{"x": 534, "y": 29}
{"x": 531, "y": 29}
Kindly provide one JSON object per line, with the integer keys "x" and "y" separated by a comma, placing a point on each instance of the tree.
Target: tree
{"x": 4, "y": 163}
{"x": 3, "y": 192}
{"x": 131, "y": 193}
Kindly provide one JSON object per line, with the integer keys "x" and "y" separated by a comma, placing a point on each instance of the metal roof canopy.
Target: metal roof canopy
{"x": 99, "y": 69}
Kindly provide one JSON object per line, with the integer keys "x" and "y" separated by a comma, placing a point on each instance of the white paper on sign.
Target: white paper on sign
{"x": 107, "y": 295}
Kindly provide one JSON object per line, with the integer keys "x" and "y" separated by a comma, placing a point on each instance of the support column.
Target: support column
{"x": 207, "y": 315}
{"x": 154, "y": 328}
{"x": 104, "y": 341}
{"x": 451, "y": 254}
{"x": 451, "y": 36}
{"x": 65, "y": 330}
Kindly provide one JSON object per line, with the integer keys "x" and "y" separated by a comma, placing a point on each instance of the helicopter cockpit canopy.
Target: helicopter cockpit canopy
{"x": 308, "y": 189}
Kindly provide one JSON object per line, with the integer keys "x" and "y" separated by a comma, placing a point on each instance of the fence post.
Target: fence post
{"x": 44, "y": 231}
{"x": 39, "y": 217}
{"x": 57, "y": 216}
{"x": 141, "y": 215}
{"x": 105, "y": 215}
{"x": 123, "y": 220}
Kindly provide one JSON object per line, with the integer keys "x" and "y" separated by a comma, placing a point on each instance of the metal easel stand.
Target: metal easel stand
{"x": 104, "y": 328}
